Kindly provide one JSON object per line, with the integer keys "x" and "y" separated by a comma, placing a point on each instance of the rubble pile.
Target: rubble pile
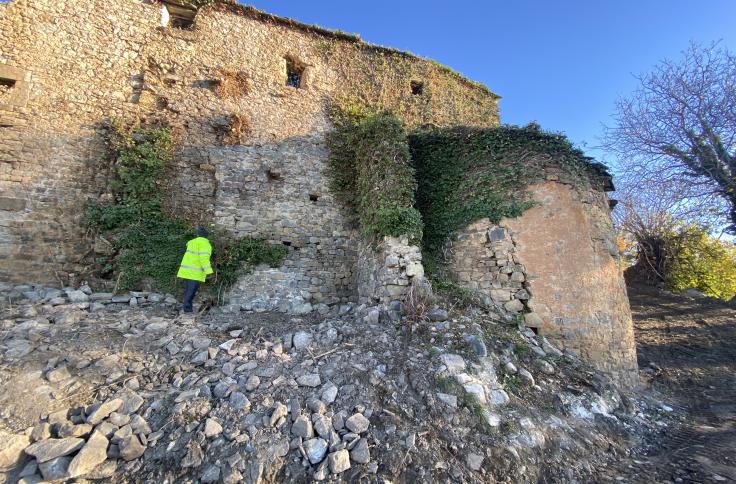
{"x": 123, "y": 387}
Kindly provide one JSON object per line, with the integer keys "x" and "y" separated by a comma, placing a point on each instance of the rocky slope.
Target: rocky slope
{"x": 100, "y": 388}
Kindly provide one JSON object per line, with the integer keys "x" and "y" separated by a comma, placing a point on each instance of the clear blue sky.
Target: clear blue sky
{"x": 561, "y": 63}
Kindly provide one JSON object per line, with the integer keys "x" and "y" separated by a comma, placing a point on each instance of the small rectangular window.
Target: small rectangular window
{"x": 417, "y": 88}
{"x": 294, "y": 73}
{"x": 6, "y": 85}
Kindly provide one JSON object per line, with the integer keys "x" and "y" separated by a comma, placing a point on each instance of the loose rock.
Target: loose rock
{"x": 103, "y": 411}
{"x": 55, "y": 469}
{"x": 357, "y": 423}
{"x": 52, "y": 448}
{"x": 302, "y": 339}
{"x": 92, "y": 454}
{"x": 131, "y": 448}
{"x": 474, "y": 461}
{"x": 315, "y": 450}
{"x": 339, "y": 461}
{"x": 11, "y": 449}
{"x": 212, "y": 428}
{"x": 309, "y": 380}
{"x": 302, "y": 427}
{"x": 279, "y": 412}
{"x": 361, "y": 453}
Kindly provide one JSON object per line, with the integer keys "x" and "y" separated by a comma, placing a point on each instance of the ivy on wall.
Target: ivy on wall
{"x": 148, "y": 243}
{"x": 466, "y": 174}
{"x": 370, "y": 170}
{"x": 457, "y": 175}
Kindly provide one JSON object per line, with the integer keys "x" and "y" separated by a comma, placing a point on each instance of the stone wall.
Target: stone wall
{"x": 483, "y": 258}
{"x": 562, "y": 257}
{"x": 250, "y": 148}
{"x": 386, "y": 271}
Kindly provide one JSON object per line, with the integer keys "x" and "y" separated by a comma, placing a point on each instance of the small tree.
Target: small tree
{"x": 679, "y": 128}
{"x": 670, "y": 243}
{"x": 702, "y": 262}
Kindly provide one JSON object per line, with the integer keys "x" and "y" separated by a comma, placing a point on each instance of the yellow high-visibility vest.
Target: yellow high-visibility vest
{"x": 195, "y": 265}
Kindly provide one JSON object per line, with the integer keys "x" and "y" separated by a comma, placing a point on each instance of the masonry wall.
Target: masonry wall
{"x": 250, "y": 154}
{"x": 558, "y": 264}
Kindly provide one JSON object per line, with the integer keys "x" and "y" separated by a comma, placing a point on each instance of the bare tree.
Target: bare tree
{"x": 648, "y": 216}
{"x": 678, "y": 129}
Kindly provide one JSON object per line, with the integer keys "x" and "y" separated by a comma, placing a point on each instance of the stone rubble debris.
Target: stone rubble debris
{"x": 325, "y": 396}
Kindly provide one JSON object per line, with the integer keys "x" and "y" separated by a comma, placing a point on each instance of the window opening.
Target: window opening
{"x": 417, "y": 87}
{"x": 313, "y": 197}
{"x": 180, "y": 17}
{"x": 294, "y": 73}
{"x": 6, "y": 85}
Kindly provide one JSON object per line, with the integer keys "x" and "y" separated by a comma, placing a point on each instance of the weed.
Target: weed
{"x": 516, "y": 320}
{"x": 466, "y": 174}
{"x": 521, "y": 350}
{"x": 512, "y": 383}
{"x": 508, "y": 426}
{"x": 416, "y": 304}
{"x": 477, "y": 410}
{"x": 369, "y": 170}
{"x": 449, "y": 385}
{"x": 557, "y": 359}
{"x": 457, "y": 295}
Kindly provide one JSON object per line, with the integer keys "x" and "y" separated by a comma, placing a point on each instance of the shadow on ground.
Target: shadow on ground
{"x": 687, "y": 355}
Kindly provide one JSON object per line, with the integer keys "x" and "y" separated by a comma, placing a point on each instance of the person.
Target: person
{"x": 195, "y": 266}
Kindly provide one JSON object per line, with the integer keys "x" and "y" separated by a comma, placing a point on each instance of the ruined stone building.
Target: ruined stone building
{"x": 248, "y": 95}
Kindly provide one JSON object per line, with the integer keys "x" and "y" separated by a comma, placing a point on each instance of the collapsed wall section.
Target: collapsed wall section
{"x": 248, "y": 97}
{"x": 279, "y": 191}
{"x": 387, "y": 271}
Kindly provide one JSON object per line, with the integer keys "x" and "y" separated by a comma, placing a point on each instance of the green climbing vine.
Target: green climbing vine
{"x": 457, "y": 175}
{"x": 147, "y": 243}
{"x": 370, "y": 170}
{"x": 466, "y": 174}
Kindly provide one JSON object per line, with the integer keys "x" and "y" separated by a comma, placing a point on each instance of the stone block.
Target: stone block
{"x": 500, "y": 295}
{"x": 11, "y": 204}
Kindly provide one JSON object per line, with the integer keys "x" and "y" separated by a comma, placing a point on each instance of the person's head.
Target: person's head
{"x": 202, "y": 232}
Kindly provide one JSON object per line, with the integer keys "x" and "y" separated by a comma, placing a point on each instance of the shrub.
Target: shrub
{"x": 702, "y": 262}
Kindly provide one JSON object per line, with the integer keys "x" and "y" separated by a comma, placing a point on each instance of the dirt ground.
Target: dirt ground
{"x": 687, "y": 356}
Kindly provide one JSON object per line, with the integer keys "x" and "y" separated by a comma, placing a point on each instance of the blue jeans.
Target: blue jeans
{"x": 189, "y": 293}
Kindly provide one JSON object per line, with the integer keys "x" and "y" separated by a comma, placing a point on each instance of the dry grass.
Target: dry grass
{"x": 418, "y": 302}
